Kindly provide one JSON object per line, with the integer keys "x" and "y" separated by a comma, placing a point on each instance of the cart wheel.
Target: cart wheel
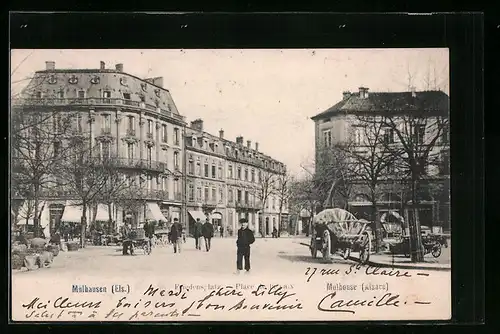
{"x": 347, "y": 253}
{"x": 436, "y": 249}
{"x": 326, "y": 245}
{"x": 365, "y": 248}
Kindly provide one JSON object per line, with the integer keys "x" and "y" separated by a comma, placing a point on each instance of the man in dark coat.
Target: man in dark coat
{"x": 198, "y": 227}
{"x": 176, "y": 235}
{"x": 245, "y": 239}
{"x": 208, "y": 233}
{"x": 127, "y": 243}
{"x": 149, "y": 231}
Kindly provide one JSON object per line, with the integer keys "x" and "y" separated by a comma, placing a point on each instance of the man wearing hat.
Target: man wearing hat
{"x": 208, "y": 232}
{"x": 176, "y": 235}
{"x": 245, "y": 239}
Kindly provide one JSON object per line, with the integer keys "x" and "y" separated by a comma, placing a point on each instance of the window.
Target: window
{"x": 176, "y": 136}
{"x": 106, "y": 123}
{"x": 220, "y": 172}
{"x": 213, "y": 172}
{"x": 57, "y": 149}
{"x": 246, "y": 196}
{"x": 176, "y": 160}
{"x": 444, "y": 167}
{"x": 327, "y": 138}
{"x": 230, "y": 195}
{"x": 388, "y": 136}
{"x": 419, "y": 133}
{"x": 206, "y": 169}
{"x": 176, "y": 186}
{"x": 253, "y": 175}
{"x": 130, "y": 150}
{"x": 105, "y": 150}
{"x": 150, "y": 127}
{"x": 207, "y": 194}
{"x": 60, "y": 94}
{"x": 274, "y": 203}
{"x": 81, "y": 94}
{"x": 126, "y": 96}
{"x": 150, "y": 182}
{"x": 239, "y": 196}
{"x": 164, "y": 133}
{"x": 38, "y": 95}
{"x": 239, "y": 173}
{"x": 214, "y": 195}
{"x": 57, "y": 123}
{"x": 191, "y": 192}
{"x": 149, "y": 151}
{"x": 445, "y": 135}
{"x": 106, "y": 94}
{"x": 198, "y": 194}
{"x": 230, "y": 172}
{"x": 358, "y": 135}
{"x": 143, "y": 98}
{"x": 198, "y": 168}
{"x": 78, "y": 123}
{"x": 221, "y": 195}
{"x": 191, "y": 167}
{"x": 246, "y": 174}
{"x": 260, "y": 177}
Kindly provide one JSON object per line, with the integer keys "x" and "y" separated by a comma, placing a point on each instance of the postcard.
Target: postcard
{"x": 230, "y": 185}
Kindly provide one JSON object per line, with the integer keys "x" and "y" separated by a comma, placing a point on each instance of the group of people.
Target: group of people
{"x": 206, "y": 230}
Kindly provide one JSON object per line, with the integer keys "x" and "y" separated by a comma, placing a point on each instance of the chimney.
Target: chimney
{"x": 363, "y": 92}
{"x": 197, "y": 124}
{"x": 50, "y": 65}
{"x": 413, "y": 91}
{"x": 346, "y": 95}
{"x": 221, "y": 134}
{"x": 257, "y": 147}
{"x": 249, "y": 144}
{"x": 158, "y": 81}
{"x": 239, "y": 140}
{"x": 103, "y": 65}
{"x": 119, "y": 67}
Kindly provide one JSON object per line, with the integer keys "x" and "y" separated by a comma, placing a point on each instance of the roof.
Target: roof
{"x": 381, "y": 101}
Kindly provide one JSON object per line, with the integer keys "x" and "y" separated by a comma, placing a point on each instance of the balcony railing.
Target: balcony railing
{"x": 93, "y": 101}
{"x": 140, "y": 164}
{"x": 248, "y": 204}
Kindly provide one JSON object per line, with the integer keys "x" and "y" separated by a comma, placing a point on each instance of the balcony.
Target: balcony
{"x": 156, "y": 166}
{"x": 93, "y": 102}
{"x": 131, "y": 132}
{"x": 248, "y": 205}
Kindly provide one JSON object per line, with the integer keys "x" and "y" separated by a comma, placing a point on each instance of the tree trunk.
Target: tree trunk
{"x": 83, "y": 224}
{"x": 415, "y": 234}
{"x": 279, "y": 218}
{"x": 374, "y": 226}
{"x": 35, "y": 202}
{"x": 110, "y": 226}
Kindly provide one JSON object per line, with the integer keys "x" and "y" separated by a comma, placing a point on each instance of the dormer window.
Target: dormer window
{"x": 143, "y": 98}
{"x": 106, "y": 94}
{"x": 60, "y": 94}
{"x": 126, "y": 96}
{"x": 38, "y": 95}
{"x": 81, "y": 94}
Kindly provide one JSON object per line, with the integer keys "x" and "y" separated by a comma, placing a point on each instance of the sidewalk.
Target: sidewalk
{"x": 396, "y": 261}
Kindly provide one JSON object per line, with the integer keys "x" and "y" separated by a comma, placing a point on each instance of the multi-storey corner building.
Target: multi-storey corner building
{"x": 341, "y": 124}
{"x": 129, "y": 119}
{"x": 224, "y": 181}
{"x": 176, "y": 170}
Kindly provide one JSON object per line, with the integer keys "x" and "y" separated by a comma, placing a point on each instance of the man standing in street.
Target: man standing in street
{"x": 176, "y": 235}
{"x": 149, "y": 231}
{"x": 198, "y": 227}
{"x": 245, "y": 239}
{"x": 208, "y": 233}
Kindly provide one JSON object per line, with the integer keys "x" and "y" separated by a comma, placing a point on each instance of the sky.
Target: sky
{"x": 266, "y": 96}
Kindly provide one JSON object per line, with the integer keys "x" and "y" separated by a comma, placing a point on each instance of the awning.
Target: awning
{"x": 72, "y": 213}
{"x": 198, "y": 214}
{"x": 154, "y": 213}
{"x": 102, "y": 213}
{"x": 216, "y": 215}
{"x": 27, "y": 211}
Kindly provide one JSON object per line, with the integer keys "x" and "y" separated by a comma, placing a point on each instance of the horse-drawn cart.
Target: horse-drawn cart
{"x": 339, "y": 231}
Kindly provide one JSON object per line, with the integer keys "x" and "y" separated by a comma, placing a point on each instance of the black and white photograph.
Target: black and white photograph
{"x": 230, "y": 184}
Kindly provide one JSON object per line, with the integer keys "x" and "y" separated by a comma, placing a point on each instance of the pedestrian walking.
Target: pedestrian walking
{"x": 198, "y": 227}
{"x": 221, "y": 231}
{"x": 245, "y": 239}
{"x": 149, "y": 232}
{"x": 176, "y": 235}
{"x": 208, "y": 233}
{"x": 127, "y": 243}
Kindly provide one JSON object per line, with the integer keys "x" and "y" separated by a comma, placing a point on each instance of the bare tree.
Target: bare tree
{"x": 283, "y": 193}
{"x": 84, "y": 177}
{"x": 264, "y": 189}
{"x": 37, "y": 146}
{"x": 370, "y": 164}
{"x": 414, "y": 152}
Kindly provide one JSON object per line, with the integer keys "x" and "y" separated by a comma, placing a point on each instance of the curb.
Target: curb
{"x": 404, "y": 265}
